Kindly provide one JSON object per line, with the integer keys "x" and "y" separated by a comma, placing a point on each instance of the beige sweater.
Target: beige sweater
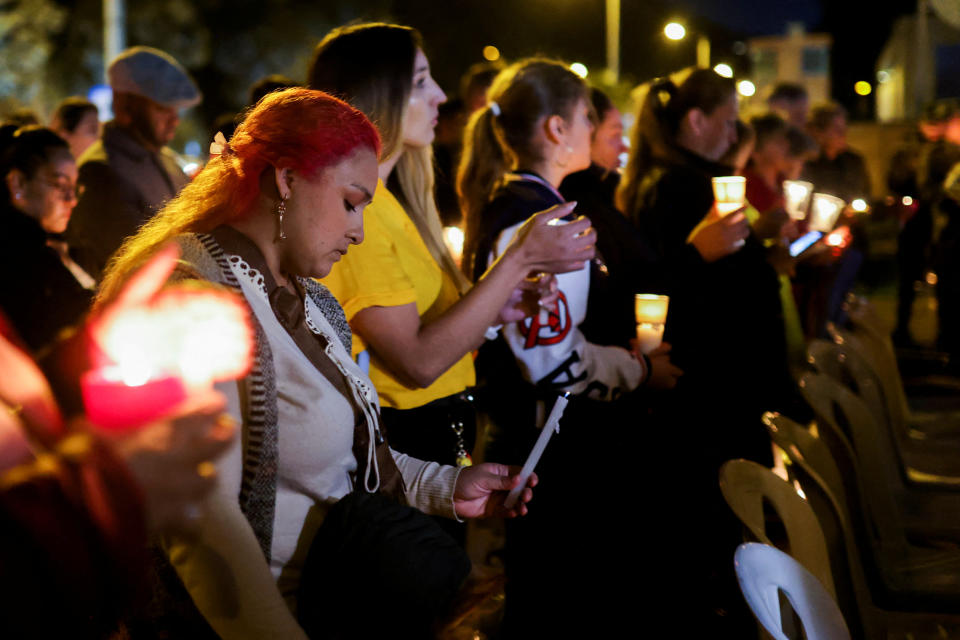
{"x": 240, "y": 595}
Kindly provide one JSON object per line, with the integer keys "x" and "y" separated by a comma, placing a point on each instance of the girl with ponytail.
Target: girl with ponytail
{"x": 410, "y": 307}
{"x": 535, "y": 131}
{"x": 725, "y": 319}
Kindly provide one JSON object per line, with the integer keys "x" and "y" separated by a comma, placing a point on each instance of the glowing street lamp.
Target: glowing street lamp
{"x": 746, "y": 88}
{"x": 862, "y": 88}
{"x": 675, "y": 31}
{"x": 491, "y": 53}
{"x": 580, "y": 69}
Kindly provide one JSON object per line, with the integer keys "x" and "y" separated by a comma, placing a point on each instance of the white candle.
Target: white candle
{"x": 649, "y": 307}
{"x": 553, "y": 424}
{"x": 649, "y": 336}
{"x": 825, "y": 211}
{"x": 730, "y": 193}
{"x": 796, "y": 196}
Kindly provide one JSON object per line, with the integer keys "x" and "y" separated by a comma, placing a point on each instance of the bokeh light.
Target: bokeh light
{"x": 724, "y": 70}
{"x": 674, "y": 31}
{"x": 491, "y": 53}
{"x": 746, "y": 88}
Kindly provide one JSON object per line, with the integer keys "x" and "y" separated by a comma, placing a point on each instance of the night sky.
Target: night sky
{"x": 456, "y": 31}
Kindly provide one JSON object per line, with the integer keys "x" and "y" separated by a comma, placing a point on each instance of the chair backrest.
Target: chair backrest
{"x": 864, "y": 318}
{"x": 840, "y": 362}
{"x": 811, "y": 464}
{"x": 879, "y": 355}
{"x": 764, "y": 572}
{"x": 746, "y": 485}
{"x": 866, "y": 456}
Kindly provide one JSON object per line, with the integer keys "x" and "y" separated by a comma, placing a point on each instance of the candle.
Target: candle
{"x": 649, "y": 336}
{"x": 649, "y": 307}
{"x": 825, "y": 211}
{"x": 149, "y": 357}
{"x": 552, "y": 425}
{"x": 730, "y": 193}
{"x": 796, "y": 196}
{"x": 453, "y": 238}
{"x": 651, "y": 314}
{"x": 116, "y": 401}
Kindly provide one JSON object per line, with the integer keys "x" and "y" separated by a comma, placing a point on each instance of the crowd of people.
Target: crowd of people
{"x": 390, "y": 378}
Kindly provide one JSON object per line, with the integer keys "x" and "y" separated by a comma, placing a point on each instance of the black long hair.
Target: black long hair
{"x": 26, "y": 149}
{"x": 658, "y": 123}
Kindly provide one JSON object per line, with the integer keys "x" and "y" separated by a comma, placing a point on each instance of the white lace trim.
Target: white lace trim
{"x": 308, "y": 307}
{"x": 244, "y": 271}
{"x": 252, "y": 276}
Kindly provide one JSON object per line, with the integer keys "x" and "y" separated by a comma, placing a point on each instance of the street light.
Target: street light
{"x": 676, "y": 31}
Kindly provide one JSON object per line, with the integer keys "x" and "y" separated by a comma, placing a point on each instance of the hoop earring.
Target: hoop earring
{"x": 281, "y": 209}
{"x": 566, "y": 159}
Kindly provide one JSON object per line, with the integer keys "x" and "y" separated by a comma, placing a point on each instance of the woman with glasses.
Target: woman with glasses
{"x": 43, "y": 290}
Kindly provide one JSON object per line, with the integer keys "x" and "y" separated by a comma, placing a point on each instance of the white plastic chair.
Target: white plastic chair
{"x": 746, "y": 486}
{"x": 764, "y": 572}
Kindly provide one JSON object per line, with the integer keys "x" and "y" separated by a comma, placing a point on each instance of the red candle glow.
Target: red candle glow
{"x": 114, "y": 404}
{"x": 150, "y": 355}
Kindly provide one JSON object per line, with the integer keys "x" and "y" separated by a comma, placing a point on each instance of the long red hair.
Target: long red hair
{"x": 300, "y": 129}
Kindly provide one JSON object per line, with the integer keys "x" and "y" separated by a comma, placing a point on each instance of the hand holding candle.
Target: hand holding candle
{"x": 172, "y": 458}
{"x": 715, "y": 238}
{"x": 552, "y": 425}
{"x": 152, "y": 346}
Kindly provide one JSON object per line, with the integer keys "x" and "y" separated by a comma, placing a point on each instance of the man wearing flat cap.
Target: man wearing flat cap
{"x": 128, "y": 174}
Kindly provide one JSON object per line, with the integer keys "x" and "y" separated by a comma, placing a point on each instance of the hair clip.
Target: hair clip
{"x": 219, "y": 146}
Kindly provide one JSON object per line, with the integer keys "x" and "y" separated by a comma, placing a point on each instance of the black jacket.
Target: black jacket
{"x": 630, "y": 262}
{"x": 725, "y": 319}
{"x": 39, "y": 294}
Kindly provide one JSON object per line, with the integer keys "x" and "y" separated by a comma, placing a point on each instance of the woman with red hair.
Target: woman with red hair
{"x": 279, "y": 205}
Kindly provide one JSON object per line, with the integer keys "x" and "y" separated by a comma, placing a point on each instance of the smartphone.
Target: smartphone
{"x": 804, "y": 242}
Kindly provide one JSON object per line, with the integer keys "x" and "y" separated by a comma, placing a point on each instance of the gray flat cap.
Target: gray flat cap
{"x": 153, "y": 74}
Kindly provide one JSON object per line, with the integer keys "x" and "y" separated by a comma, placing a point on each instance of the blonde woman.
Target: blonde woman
{"x": 406, "y": 300}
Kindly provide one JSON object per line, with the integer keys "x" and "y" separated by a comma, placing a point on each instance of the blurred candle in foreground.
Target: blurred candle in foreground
{"x": 115, "y": 403}
{"x": 150, "y": 357}
{"x": 730, "y": 193}
{"x": 651, "y": 315}
{"x": 453, "y": 238}
{"x": 825, "y": 211}
{"x": 796, "y": 198}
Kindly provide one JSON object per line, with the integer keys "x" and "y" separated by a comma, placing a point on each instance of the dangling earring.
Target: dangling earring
{"x": 281, "y": 209}
{"x": 566, "y": 159}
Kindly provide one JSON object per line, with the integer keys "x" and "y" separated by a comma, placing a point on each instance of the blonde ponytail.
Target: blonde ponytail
{"x": 415, "y": 175}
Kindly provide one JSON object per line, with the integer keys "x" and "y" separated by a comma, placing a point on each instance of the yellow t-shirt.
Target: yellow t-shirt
{"x": 390, "y": 268}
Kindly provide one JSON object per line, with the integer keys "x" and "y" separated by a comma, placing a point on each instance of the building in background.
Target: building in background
{"x": 919, "y": 63}
{"x": 798, "y": 56}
